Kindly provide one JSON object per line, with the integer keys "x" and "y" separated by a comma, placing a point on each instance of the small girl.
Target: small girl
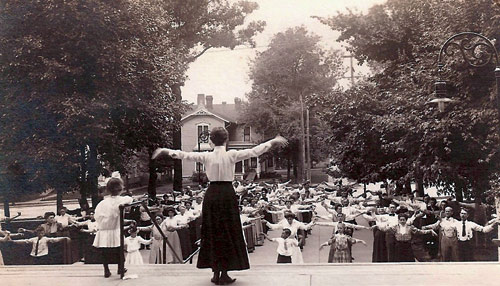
{"x": 3, "y": 239}
{"x": 107, "y": 216}
{"x": 132, "y": 246}
{"x": 340, "y": 250}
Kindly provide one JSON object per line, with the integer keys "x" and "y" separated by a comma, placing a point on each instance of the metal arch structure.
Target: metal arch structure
{"x": 476, "y": 50}
{"x": 203, "y": 137}
{"x": 477, "y": 53}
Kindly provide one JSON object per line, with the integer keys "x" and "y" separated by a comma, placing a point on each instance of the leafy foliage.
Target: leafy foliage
{"x": 294, "y": 66}
{"x": 84, "y": 85}
{"x": 384, "y": 129}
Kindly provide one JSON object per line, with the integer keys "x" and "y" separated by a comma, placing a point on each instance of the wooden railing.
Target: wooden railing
{"x": 166, "y": 243}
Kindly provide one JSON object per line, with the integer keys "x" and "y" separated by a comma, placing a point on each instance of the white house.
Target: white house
{"x": 206, "y": 115}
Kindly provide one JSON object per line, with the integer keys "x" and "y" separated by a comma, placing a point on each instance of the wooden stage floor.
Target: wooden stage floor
{"x": 262, "y": 275}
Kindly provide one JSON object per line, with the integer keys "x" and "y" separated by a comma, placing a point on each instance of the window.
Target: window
{"x": 239, "y": 167}
{"x": 200, "y": 167}
{"x": 202, "y": 128}
{"x": 246, "y": 163}
{"x": 246, "y": 134}
{"x": 270, "y": 162}
{"x": 253, "y": 162}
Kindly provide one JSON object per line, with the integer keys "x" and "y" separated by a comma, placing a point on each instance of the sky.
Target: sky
{"x": 223, "y": 73}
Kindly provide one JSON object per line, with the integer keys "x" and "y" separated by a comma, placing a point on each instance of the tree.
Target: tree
{"x": 86, "y": 84}
{"x": 457, "y": 150}
{"x": 294, "y": 68}
{"x": 202, "y": 25}
{"x": 70, "y": 98}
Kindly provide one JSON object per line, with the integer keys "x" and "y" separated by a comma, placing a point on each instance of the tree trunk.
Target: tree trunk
{"x": 407, "y": 187}
{"x": 127, "y": 187}
{"x": 295, "y": 171}
{"x": 59, "y": 200}
{"x": 300, "y": 164}
{"x": 459, "y": 188}
{"x": 153, "y": 176}
{"x": 288, "y": 167}
{"x": 420, "y": 186}
{"x": 177, "y": 141}
{"x": 83, "y": 177}
{"x": 399, "y": 188}
{"x": 93, "y": 173}
{"x": 6, "y": 208}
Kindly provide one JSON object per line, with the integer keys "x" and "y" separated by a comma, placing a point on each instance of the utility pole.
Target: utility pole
{"x": 308, "y": 145}
{"x": 351, "y": 76}
{"x": 302, "y": 129}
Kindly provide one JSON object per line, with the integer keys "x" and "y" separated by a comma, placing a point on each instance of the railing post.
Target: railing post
{"x": 165, "y": 240}
{"x": 121, "y": 263}
{"x": 164, "y": 254}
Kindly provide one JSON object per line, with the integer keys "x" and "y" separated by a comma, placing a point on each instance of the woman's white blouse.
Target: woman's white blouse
{"x": 219, "y": 163}
{"x": 171, "y": 222}
{"x": 183, "y": 219}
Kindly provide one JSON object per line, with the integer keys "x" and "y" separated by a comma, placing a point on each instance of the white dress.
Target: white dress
{"x": 107, "y": 216}
{"x": 133, "y": 256}
{"x": 1, "y": 240}
{"x": 173, "y": 239}
{"x": 155, "y": 255}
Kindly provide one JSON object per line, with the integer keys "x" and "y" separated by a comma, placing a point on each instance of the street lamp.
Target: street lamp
{"x": 477, "y": 51}
{"x": 202, "y": 138}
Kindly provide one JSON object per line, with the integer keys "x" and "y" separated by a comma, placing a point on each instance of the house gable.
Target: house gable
{"x": 202, "y": 111}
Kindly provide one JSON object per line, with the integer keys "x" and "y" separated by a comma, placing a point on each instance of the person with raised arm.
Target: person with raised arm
{"x": 223, "y": 246}
{"x": 107, "y": 216}
{"x": 340, "y": 246}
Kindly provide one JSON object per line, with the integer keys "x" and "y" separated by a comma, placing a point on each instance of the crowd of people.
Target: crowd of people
{"x": 405, "y": 228}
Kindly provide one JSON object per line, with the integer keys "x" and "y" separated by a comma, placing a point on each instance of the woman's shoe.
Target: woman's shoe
{"x": 226, "y": 280}
{"x": 216, "y": 278}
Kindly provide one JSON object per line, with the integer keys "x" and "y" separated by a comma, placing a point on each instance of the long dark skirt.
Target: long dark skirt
{"x": 379, "y": 249}
{"x": 185, "y": 239}
{"x": 222, "y": 242}
{"x": 404, "y": 252}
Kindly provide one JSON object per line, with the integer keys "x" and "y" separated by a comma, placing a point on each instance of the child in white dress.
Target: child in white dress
{"x": 132, "y": 246}
{"x": 107, "y": 216}
{"x": 3, "y": 239}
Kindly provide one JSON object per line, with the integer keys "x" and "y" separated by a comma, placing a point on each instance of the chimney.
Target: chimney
{"x": 237, "y": 103}
{"x": 201, "y": 99}
{"x": 210, "y": 102}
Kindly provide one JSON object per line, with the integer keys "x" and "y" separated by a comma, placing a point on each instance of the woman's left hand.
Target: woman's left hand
{"x": 279, "y": 141}
{"x": 158, "y": 152}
